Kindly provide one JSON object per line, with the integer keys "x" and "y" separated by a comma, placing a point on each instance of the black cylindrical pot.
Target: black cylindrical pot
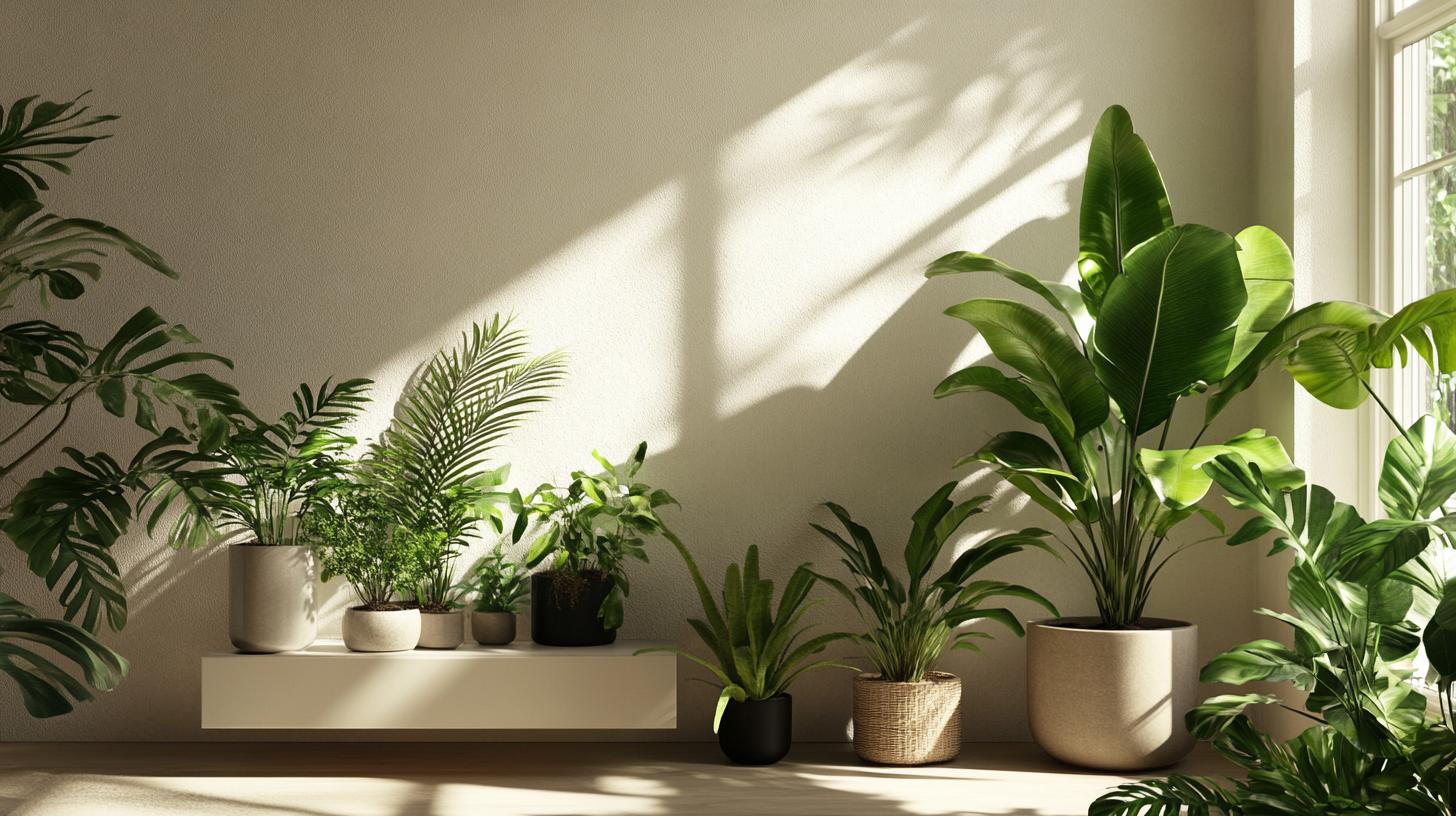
{"x": 564, "y": 608}
{"x": 757, "y": 732}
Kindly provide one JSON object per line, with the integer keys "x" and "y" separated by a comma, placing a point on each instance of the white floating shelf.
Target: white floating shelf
{"x": 521, "y": 686}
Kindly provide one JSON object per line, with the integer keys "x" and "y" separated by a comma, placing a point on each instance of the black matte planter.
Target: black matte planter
{"x": 564, "y": 609}
{"x": 757, "y": 732}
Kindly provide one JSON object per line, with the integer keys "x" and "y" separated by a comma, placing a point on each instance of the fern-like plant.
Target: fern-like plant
{"x": 429, "y": 466}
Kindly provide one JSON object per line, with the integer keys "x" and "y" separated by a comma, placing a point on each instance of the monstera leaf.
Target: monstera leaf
{"x": 30, "y": 646}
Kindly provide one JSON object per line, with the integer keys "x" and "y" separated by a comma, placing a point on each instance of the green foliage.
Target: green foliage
{"x": 1163, "y": 311}
{"x": 755, "y": 650}
{"x": 256, "y": 479}
{"x": 913, "y": 621}
{"x": 66, "y": 520}
{"x": 594, "y": 524}
{"x": 358, "y": 538}
{"x": 500, "y": 583}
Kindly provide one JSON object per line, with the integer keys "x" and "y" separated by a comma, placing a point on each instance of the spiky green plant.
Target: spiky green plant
{"x": 911, "y": 623}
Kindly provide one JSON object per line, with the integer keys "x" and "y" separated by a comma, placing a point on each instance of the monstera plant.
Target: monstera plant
{"x": 66, "y": 520}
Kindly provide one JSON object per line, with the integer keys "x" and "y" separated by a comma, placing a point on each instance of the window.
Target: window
{"x": 1415, "y": 140}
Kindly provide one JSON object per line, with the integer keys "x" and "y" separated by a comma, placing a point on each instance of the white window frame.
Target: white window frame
{"x": 1389, "y": 33}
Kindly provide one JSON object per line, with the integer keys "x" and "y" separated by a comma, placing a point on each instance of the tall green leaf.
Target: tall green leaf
{"x": 1123, "y": 203}
{"x": 1055, "y": 370}
{"x": 1268, "y": 271}
{"x": 1168, "y": 323}
{"x": 1418, "y": 475}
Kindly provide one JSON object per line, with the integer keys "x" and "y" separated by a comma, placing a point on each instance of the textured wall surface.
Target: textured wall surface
{"x": 719, "y": 210}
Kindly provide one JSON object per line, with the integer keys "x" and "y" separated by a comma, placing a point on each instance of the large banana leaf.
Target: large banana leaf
{"x": 1167, "y": 323}
{"x": 1179, "y": 478}
{"x": 1123, "y": 203}
{"x": 45, "y": 687}
{"x": 1268, "y": 271}
{"x": 1055, "y": 370}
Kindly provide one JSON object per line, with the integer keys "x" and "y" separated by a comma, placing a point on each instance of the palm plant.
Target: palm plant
{"x": 427, "y": 466}
{"x": 261, "y": 481}
{"x": 593, "y": 525}
{"x": 67, "y": 519}
{"x": 912, "y": 623}
{"x": 755, "y": 649}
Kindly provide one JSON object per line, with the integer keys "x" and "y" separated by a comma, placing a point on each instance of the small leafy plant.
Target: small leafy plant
{"x": 755, "y": 649}
{"x": 358, "y": 539}
{"x": 912, "y": 623}
{"x": 499, "y": 583}
{"x": 593, "y": 525}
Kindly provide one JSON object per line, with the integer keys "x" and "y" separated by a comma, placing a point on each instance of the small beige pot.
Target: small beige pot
{"x": 442, "y": 630}
{"x": 393, "y": 630}
{"x": 907, "y": 723}
{"x": 493, "y": 628}
{"x": 271, "y": 605}
{"x": 1111, "y": 699}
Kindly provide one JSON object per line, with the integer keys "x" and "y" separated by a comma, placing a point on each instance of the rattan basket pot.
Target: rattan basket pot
{"x": 907, "y": 723}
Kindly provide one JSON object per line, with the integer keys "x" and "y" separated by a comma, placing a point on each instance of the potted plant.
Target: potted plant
{"x": 258, "y": 485}
{"x": 755, "y": 654}
{"x": 358, "y": 538}
{"x": 428, "y": 467}
{"x": 905, "y": 712}
{"x": 593, "y": 525}
{"x": 499, "y": 584}
{"x": 1162, "y": 312}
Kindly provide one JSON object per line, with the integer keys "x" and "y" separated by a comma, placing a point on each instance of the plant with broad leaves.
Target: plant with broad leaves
{"x": 913, "y": 622}
{"x": 498, "y": 582}
{"x": 67, "y": 519}
{"x": 755, "y": 648}
{"x": 593, "y": 525}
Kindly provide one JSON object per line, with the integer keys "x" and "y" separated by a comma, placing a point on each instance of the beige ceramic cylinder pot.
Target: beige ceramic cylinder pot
{"x": 1111, "y": 699}
{"x": 384, "y": 630}
{"x": 271, "y": 605}
{"x": 442, "y": 630}
{"x": 907, "y": 723}
{"x": 493, "y": 628}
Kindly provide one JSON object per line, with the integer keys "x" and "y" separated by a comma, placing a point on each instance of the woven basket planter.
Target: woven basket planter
{"x": 907, "y": 723}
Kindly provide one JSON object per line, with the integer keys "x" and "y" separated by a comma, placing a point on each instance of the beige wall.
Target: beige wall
{"x": 720, "y": 211}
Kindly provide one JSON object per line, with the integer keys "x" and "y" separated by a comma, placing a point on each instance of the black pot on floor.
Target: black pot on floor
{"x": 757, "y": 732}
{"x": 564, "y": 608}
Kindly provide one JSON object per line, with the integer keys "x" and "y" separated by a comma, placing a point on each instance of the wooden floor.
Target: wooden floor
{"x": 538, "y": 779}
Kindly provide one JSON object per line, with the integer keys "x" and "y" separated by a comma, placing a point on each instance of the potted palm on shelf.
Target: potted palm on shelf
{"x": 1162, "y": 312}
{"x": 258, "y": 485}
{"x": 429, "y": 468}
{"x": 593, "y": 525}
{"x": 906, "y": 712}
{"x": 499, "y": 584}
{"x": 359, "y": 539}
{"x": 755, "y": 653}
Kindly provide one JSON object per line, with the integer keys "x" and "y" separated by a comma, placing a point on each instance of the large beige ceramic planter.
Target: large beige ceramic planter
{"x": 442, "y": 630}
{"x": 392, "y": 630}
{"x": 271, "y": 605}
{"x": 1111, "y": 699}
{"x": 907, "y": 723}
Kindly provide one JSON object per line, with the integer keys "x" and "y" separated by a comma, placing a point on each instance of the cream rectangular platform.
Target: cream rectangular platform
{"x": 522, "y": 686}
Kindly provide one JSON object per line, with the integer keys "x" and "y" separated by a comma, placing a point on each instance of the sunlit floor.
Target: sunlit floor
{"x": 540, "y": 779}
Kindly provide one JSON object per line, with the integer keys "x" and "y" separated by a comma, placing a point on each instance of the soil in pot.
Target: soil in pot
{"x": 441, "y": 629}
{"x": 382, "y": 628}
{"x": 565, "y": 607}
{"x": 1112, "y": 699}
{"x": 907, "y": 723}
{"x": 757, "y": 732}
{"x": 493, "y": 628}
